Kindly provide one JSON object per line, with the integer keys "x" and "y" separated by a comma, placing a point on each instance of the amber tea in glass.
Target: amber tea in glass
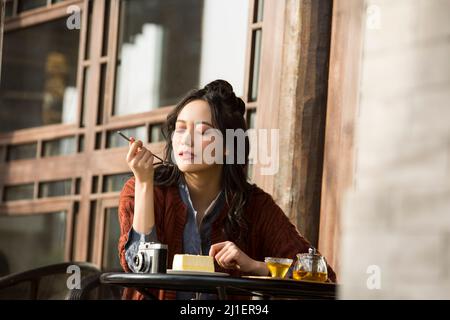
{"x": 310, "y": 266}
{"x": 310, "y": 276}
{"x": 278, "y": 267}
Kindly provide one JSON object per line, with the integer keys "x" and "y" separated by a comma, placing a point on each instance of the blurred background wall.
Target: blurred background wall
{"x": 395, "y": 224}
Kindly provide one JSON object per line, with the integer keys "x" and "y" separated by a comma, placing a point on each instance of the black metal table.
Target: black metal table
{"x": 223, "y": 286}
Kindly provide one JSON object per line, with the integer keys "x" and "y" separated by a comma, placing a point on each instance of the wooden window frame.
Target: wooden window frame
{"x": 46, "y": 206}
{"x": 91, "y": 162}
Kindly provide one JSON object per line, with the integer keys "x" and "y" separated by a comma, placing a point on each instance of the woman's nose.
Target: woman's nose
{"x": 187, "y": 138}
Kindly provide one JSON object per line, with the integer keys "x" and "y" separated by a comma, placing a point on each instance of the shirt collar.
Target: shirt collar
{"x": 184, "y": 190}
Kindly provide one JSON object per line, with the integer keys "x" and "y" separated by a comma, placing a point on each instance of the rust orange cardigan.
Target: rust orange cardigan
{"x": 271, "y": 234}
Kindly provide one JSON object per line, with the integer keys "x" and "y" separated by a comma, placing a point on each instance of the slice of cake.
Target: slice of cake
{"x": 188, "y": 262}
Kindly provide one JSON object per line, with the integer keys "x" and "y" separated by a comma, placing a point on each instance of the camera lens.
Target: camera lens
{"x": 139, "y": 262}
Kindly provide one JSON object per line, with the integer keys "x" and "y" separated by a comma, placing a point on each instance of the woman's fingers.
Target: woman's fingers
{"x": 133, "y": 149}
{"x": 218, "y": 250}
{"x": 145, "y": 158}
{"x": 229, "y": 259}
{"x": 139, "y": 155}
{"x": 150, "y": 160}
{"x": 215, "y": 248}
{"x": 224, "y": 250}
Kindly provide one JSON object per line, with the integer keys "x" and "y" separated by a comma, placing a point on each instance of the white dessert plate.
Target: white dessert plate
{"x": 197, "y": 273}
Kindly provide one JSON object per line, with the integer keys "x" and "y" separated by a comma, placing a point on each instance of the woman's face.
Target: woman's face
{"x": 193, "y": 133}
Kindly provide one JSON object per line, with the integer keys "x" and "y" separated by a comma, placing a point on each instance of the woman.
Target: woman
{"x": 203, "y": 207}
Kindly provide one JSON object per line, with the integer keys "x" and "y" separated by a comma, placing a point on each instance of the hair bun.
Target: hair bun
{"x": 220, "y": 86}
{"x": 225, "y": 91}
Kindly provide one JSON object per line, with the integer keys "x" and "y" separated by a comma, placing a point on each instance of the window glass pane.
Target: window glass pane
{"x": 22, "y": 151}
{"x": 9, "y": 7}
{"x": 87, "y": 52}
{"x": 254, "y": 72}
{"x": 81, "y": 143}
{"x": 55, "y": 188}
{"x": 20, "y": 192}
{"x": 250, "y": 172}
{"x": 101, "y": 98}
{"x": 112, "y": 232}
{"x": 57, "y": 147}
{"x": 168, "y": 47}
{"x": 106, "y": 27}
{"x": 251, "y": 119}
{"x": 84, "y": 102}
{"x": 32, "y": 241}
{"x": 94, "y": 184}
{"x": 115, "y": 140}
{"x": 259, "y": 11}
{"x": 92, "y": 229}
{"x": 24, "y": 5}
{"x": 156, "y": 133}
{"x": 98, "y": 140}
{"x": 38, "y": 84}
{"x": 115, "y": 182}
{"x": 77, "y": 185}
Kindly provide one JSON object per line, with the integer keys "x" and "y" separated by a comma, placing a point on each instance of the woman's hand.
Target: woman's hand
{"x": 140, "y": 161}
{"x": 229, "y": 256}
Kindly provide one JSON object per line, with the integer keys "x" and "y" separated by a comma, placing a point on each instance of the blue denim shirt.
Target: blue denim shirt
{"x": 196, "y": 239}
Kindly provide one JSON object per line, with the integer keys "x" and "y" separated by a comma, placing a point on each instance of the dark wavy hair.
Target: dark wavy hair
{"x": 227, "y": 112}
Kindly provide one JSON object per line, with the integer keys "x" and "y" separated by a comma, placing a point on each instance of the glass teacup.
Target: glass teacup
{"x": 278, "y": 267}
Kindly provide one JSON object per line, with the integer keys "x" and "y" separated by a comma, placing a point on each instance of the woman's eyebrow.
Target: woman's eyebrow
{"x": 198, "y": 122}
{"x": 204, "y": 122}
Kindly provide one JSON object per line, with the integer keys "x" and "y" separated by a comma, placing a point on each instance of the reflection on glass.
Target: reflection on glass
{"x": 254, "y": 72}
{"x": 24, "y": 5}
{"x": 115, "y": 182}
{"x": 224, "y": 42}
{"x": 58, "y": 147}
{"x": 168, "y": 47}
{"x": 31, "y": 241}
{"x": 19, "y": 192}
{"x": 55, "y": 188}
{"x": 38, "y": 84}
{"x": 112, "y": 232}
{"x": 114, "y": 140}
{"x": 21, "y": 151}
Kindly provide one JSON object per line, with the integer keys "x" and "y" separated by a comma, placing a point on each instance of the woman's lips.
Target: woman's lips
{"x": 186, "y": 155}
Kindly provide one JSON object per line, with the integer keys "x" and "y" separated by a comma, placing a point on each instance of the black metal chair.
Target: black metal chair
{"x": 50, "y": 282}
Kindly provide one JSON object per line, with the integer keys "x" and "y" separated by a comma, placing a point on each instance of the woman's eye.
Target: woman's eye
{"x": 203, "y": 131}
